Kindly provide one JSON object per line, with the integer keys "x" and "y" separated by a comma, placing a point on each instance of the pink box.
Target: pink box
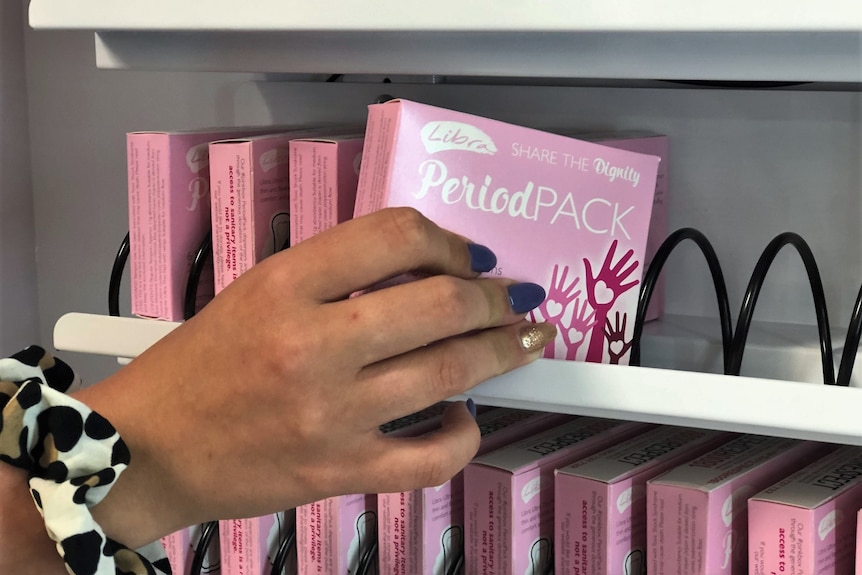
{"x": 336, "y": 535}
{"x": 169, "y": 215}
{"x": 180, "y": 549}
{"x": 697, "y": 513}
{"x": 600, "y": 501}
{"x": 249, "y": 546}
{"x": 509, "y": 495}
{"x": 806, "y": 523}
{"x": 251, "y": 199}
{"x": 859, "y": 541}
{"x": 653, "y": 145}
{"x": 324, "y": 174}
{"x": 545, "y": 204}
{"x": 422, "y": 531}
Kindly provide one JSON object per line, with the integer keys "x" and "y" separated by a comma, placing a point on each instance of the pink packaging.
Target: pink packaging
{"x": 324, "y": 174}
{"x": 169, "y": 215}
{"x": 180, "y": 549}
{"x": 336, "y": 535}
{"x": 249, "y": 546}
{"x": 509, "y": 495}
{"x": 530, "y": 196}
{"x": 697, "y": 513}
{"x": 859, "y": 541}
{"x": 422, "y": 531}
{"x": 251, "y": 199}
{"x": 653, "y": 145}
{"x": 600, "y": 501}
{"x": 806, "y": 523}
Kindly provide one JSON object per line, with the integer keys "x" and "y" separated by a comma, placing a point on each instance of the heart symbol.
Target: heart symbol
{"x": 603, "y": 293}
{"x": 554, "y": 308}
{"x": 617, "y": 347}
{"x": 575, "y": 336}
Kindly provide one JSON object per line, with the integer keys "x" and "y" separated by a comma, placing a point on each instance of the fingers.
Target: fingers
{"x": 395, "y": 320}
{"x": 367, "y": 250}
{"x": 411, "y": 381}
{"x": 404, "y": 464}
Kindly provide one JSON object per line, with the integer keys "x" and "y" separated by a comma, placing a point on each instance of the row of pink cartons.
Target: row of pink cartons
{"x": 569, "y": 214}
{"x": 172, "y": 208}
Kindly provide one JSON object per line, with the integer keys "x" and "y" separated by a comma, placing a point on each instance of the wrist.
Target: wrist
{"x": 25, "y": 548}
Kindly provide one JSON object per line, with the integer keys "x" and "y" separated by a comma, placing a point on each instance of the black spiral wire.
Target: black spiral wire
{"x": 287, "y": 544}
{"x": 651, "y": 278}
{"x": 209, "y": 532}
{"x": 117, "y": 277}
{"x": 749, "y": 301}
{"x": 851, "y": 343}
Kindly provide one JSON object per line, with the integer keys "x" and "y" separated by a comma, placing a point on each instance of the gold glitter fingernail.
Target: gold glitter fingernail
{"x": 535, "y": 337}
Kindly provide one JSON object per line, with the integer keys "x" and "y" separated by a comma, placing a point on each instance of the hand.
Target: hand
{"x": 576, "y": 332}
{"x": 616, "y": 337}
{"x": 559, "y": 295}
{"x": 603, "y": 290}
{"x": 272, "y": 395}
{"x": 609, "y": 284}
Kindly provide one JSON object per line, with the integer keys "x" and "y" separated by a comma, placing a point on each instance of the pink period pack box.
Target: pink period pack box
{"x": 600, "y": 501}
{"x": 251, "y": 199}
{"x": 654, "y": 145}
{"x": 180, "y": 548}
{"x": 422, "y": 531}
{"x": 859, "y": 541}
{"x": 249, "y": 546}
{"x": 806, "y": 523}
{"x": 570, "y": 215}
{"x": 336, "y": 535}
{"x": 509, "y": 495}
{"x": 324, "y": 174}
{"x": 169, "y": 215}
{"x": 697, "y": 514}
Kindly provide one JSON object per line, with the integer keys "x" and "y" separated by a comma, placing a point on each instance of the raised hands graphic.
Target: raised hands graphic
{"x": 558, "y": 299}
{"x": 583, "y": 319}
{"x": 616, "y": 338}
{"x": 603, "y": 290}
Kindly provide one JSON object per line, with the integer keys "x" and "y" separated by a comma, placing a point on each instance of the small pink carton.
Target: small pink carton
{"x": 697, "y": 520}
{"x": 251, "y": 199}
{"x": 337, "y": 535}
{"x": 181, "y": 546}
{"x": 600, "y": 501}
{"x": 324, "y": 174}
{"x": 249, "y": 546}
{"x": 509, "y": 495}
{"x": 422, "y": 531}
{"x": 570, "y": 215}
{"x": 859, "y": 541}
{"x": 806, "y": 523}
{"x": 169, "y": 215}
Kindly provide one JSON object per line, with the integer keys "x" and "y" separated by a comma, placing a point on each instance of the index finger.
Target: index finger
{"x": 370, "y": 249}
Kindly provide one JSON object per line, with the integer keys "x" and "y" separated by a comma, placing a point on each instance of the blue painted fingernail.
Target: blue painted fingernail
{"x": 482, "y": 259}
{"x": 471, "y": 407}
{"x": 525, "y": 296}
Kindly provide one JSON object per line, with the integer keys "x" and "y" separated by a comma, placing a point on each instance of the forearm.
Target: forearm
{"x": 25, "y": 548}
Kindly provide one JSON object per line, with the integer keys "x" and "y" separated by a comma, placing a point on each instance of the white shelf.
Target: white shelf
{"x": 628, "y": 39}
{"x": 124, "y": 337}
{"x": 779, "y": 407}
{"x": 742, "y": 404}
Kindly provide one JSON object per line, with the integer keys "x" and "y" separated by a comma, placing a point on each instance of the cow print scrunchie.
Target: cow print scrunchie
{"x": 72, "y": 456}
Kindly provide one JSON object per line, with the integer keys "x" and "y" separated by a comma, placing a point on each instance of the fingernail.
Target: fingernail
{"x": 535, "y": 336}
{"x": 482, "y": 259}
{"x": 525, "y": 296}
{"x": 471, "y": 407}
